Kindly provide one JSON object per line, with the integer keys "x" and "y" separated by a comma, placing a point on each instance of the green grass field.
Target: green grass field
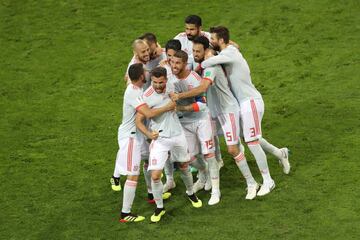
{"x": 61, "y": 70}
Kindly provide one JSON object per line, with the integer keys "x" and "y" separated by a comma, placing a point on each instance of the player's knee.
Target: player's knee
{"x": 133, "y": 178}
{"x": 184, "y": 166}
{"x": 156, "y": 175}
{"x": 233, "y": 150}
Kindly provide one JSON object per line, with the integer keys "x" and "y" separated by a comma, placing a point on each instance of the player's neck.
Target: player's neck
{"x": 223, "y": 46}
{"x": 183, "y": 74}
{"x": 138, "y": 84}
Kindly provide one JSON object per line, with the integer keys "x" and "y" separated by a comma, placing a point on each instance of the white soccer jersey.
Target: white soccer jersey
{"x": 167, "y": 124}
{"x": 237, "y": 71}
{"x": 220, "y": 99}
{"x": 183, "y": 85}
{"x": 187, "y": 46}
{"x": 132, "y": 101}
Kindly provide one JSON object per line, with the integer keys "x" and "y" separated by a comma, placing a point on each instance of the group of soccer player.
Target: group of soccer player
{"x": 177, "y": 101}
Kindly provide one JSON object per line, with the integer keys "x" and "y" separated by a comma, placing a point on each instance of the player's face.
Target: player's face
{"x": 143, "y": 52}
{"x": 177, "y": 65}
{"x": 170, "y": 53}
{"x": 152, "y": 47}
{"x": 159, "y": 84}
{"x": 215, "y": 42}
{"x": 198, "y": 52}
{"x": 191, "y": 31}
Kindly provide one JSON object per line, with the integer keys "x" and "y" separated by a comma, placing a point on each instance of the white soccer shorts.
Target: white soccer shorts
{"x": 129, "y": 156}
{"x": 230, "y": 124}
{"x": 200, "y": 132}
{"x": 160, "y": 148}
{"x": 251, "y": 113}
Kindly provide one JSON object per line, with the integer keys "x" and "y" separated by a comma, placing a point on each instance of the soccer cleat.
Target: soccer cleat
{"x": 150, "y": 198}
{"x": 251, "y": 191}
{"x": 166, "y": 195}
{"x": 266, "y": 188}
{"x": 198, "y": 185}
{"x": 156, "y": 217}
{"x": 284, "y": 161}
{"x": 129, "y": 217}
{"x": 208, "y": 184}
{"x": 115, "y": 184}
{"x": 215, "y": 198}
{"x": 168, "y": 186}
{"x": 196, "y": 203}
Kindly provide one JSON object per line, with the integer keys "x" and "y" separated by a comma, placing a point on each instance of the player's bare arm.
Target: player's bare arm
{"x": 153, "y": 112}
{"x": 204, "y": 85}
{"x": 139, "y": 122}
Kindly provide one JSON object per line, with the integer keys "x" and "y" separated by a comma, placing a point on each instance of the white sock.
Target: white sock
{"x": 129, "y": 195}
{"x": 261, "y": 161}
{"x": 117, "y": 165}
{"x": 147, "y": 176}
{"x": 201, "y": 166}
{"x": 244, "y": 168}
{"x": 187, "y": 178}
{"x": 214, "y": 174}
{"x": 269, "y": 148}
{"x": 217, "y": 149}
{"x": 169, "y": 171}
{"x": 157, "y": 189}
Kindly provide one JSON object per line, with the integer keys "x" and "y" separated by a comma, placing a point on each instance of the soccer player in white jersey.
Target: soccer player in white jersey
{"x": 157, "y": 54}
{"x": 171, "y": 138}
{"x": 251, "y": 104}
{"x": 193, "y": 28}
{"x": 130, "y": 141}
{"x": 197, "y": 124}
{"x": 223, "y": 106}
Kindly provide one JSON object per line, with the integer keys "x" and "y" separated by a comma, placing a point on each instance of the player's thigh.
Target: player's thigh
{"x": 230, "y": 124}
{"x": 251, "y": 113}
{"x": 180, "y": 151}
{"x": 205, "y": 136}
{"x": 159, "y": 152}
{"x": 191, "y": 139}
{"x": 129, "y": 156}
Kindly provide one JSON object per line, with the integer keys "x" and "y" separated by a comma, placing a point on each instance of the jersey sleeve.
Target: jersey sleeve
{"x": 136, "y": 99}
{"x": 215, "y": 60}
{"x": 209, "y": 74}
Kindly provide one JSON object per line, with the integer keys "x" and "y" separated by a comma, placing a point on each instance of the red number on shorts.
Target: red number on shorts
{"x": 209, "y": 144}
{"x": 252, "y": 130}
{"x": 228, "y": 136}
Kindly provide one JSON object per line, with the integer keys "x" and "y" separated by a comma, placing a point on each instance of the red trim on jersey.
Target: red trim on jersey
{"x": 195, "y": 107}
{"x": 196, "y": 76}
{"x": 253, "y": 143}
{"x": 255, "y": 116}
{"x": 209, "y": 79}
{"x": 129, "y": 154}
{"x": 139, "y": 106}
{"x": 149, "y": 91}
{"x": 233, "y": 125}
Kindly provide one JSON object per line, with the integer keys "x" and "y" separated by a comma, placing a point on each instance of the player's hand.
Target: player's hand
{"x": 163, "y": 62}
{"x": 153, "y": 135}
{"x": 171, "y": 105}
{"x": 174, "y": 96}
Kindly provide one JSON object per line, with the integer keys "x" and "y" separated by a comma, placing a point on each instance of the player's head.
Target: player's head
{"x": 171, "y": 47}
{"x": 192, "y": 26}
{"x": 220, "y": 36}
{"x": 200, "y": 44}
{"x": 179, "y": 62}
{"x": 159, "y": 79}
{"x": 151, "y": 40}
{"x": 141, "y": 50}
{"x": 137, "y": 73}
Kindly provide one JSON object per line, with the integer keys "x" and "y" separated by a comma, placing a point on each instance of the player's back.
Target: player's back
{"x": 238, "y": 72}
{"x": 220, "y": 99}
{"x": 167, "y": 123}
{"x": 183, "y": 85}
{"x": 132, "y": 100}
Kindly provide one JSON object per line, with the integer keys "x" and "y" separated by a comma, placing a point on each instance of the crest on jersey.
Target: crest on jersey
{"x": 207, "y": 74}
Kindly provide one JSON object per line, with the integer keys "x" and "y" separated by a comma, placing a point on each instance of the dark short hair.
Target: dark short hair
{"x": 135, "y": 71}
{"x": 173, "y": 44}
{"x": 202, "y": 40}
{"x": 149, "y": 37}
{"x": 193, "y": 19}
{"x": 181, "y": 54}
{"x": 159, "y": 72}
{"x": 221, "y": 32}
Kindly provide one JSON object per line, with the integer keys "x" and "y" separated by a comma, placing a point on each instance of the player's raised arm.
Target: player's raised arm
{"x": 153, "y": 112}
{"x": 202, "y": 88}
